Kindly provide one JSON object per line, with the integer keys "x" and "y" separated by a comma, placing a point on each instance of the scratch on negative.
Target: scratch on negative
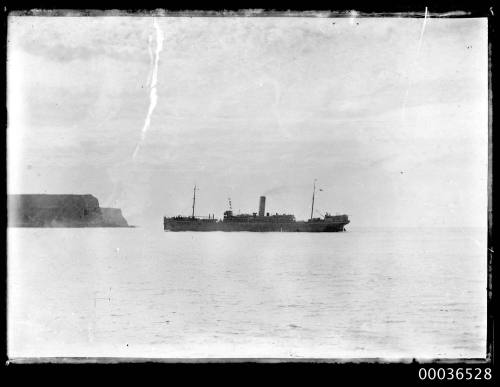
{"x": 416, "y": 59}
{"x": 151, "y": 59}
{"x": 153, "y": 97}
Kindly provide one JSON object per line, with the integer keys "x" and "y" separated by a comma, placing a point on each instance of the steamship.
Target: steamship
{"x": 258, "y": 222}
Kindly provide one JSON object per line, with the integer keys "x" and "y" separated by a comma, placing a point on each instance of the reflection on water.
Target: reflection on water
{"x": 388, "y": 293}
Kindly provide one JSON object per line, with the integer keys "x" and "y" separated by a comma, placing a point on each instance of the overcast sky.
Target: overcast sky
{"x": 389, "y": 114}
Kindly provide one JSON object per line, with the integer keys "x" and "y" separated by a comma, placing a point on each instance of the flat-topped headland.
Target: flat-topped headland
{"x": 43, "y": 210}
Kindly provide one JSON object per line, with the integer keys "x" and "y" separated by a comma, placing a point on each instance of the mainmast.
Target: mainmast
{"x": 314, "y": 191}
{"x": 194, "y": 199}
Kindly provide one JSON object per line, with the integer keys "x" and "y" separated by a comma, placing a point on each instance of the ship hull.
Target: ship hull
{"x": 255, "y": 226}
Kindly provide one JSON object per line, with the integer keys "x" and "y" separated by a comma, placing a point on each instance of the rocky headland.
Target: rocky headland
{"x": 41, "y": 210}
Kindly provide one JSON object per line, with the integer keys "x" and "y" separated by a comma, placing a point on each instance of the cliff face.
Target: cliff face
{"x": 113, "y": 216}
{"x": 59, "y": 211}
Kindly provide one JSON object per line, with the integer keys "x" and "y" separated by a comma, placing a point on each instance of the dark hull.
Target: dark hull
{"x": 320, "y": 226}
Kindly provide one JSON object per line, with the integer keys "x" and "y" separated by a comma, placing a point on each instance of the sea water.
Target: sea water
{"x": 140, "y": 292}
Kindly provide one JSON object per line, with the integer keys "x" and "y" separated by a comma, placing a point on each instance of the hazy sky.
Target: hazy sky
{"x": 389, "y": 114}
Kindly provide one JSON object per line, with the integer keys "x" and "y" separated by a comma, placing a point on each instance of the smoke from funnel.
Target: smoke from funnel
{"x": 278, "y": 190}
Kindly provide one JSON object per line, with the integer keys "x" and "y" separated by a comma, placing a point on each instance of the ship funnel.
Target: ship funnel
{"x": 262, "y": 206}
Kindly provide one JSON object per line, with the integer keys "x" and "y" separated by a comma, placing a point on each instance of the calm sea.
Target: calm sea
{"x": 386, "y": 293}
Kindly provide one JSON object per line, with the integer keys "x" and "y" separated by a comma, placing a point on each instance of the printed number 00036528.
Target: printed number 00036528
{"x": 454, "y": 373}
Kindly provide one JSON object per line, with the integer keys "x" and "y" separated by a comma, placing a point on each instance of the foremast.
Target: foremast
{"x": 194, "y": 199}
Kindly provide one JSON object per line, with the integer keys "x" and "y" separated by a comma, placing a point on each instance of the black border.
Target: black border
{"x": 352, "y": 371}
